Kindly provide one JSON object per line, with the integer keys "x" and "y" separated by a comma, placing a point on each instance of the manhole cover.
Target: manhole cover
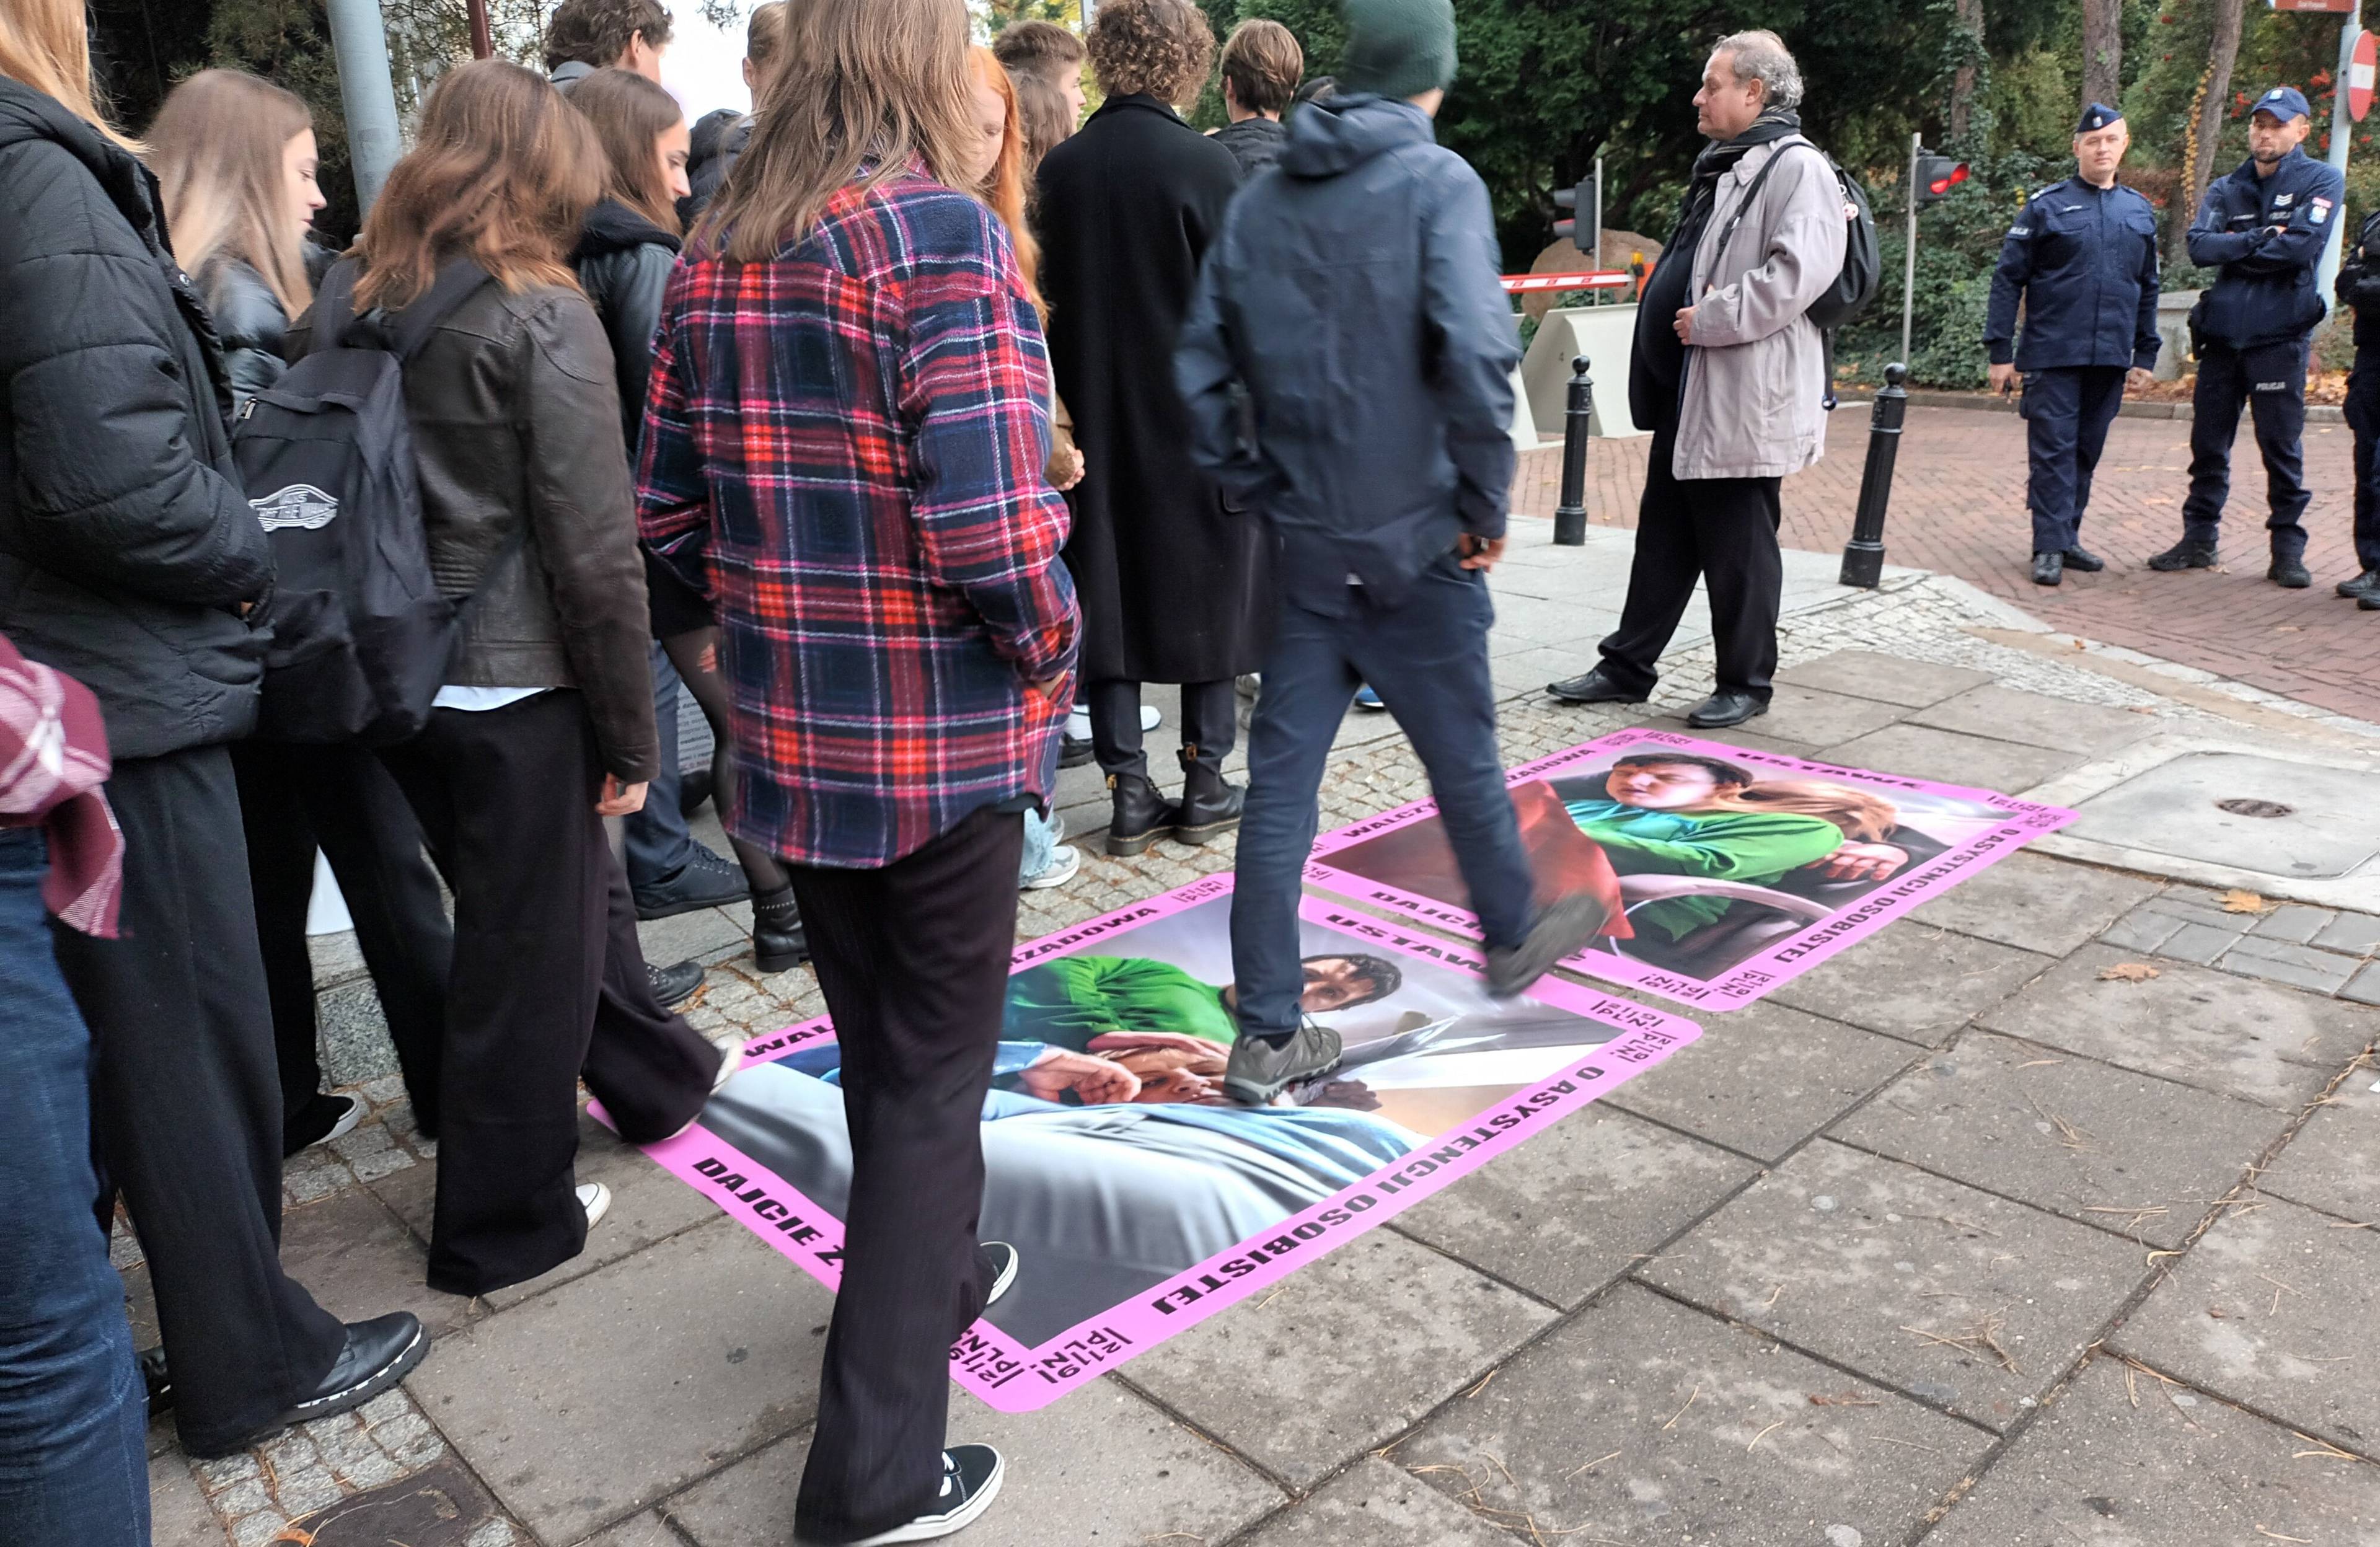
{"x": 2241, "y": 806}
{"x": 437, "y": 1507}
{"x": 2243, "y": 811}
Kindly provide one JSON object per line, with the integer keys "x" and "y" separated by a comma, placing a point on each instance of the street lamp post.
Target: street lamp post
{"x": 359, "y": 41}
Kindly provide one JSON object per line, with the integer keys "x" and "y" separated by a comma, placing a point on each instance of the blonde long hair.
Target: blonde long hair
{"x": 44, "y": 45}
{"x": 216, "y": 148}
{"x": 1865, "y": 818}
{"x": 1004, "y": 189}
{"x": 861, "y": 82}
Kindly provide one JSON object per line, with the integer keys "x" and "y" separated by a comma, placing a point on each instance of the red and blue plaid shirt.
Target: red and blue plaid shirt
{"x": 852, "y": 436}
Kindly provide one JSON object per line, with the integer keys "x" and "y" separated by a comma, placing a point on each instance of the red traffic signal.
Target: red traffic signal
{"x": 1934, "y": 177}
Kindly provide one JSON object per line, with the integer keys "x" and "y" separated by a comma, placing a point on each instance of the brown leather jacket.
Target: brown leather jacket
{"x": 515, "y": 419}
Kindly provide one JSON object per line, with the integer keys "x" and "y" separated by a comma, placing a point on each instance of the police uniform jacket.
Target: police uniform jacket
{"x": 2265, "y": 291}
{"x": 2085, "y": 260}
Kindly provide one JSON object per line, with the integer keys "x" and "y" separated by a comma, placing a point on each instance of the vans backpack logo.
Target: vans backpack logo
{"x": 299, "y": 505}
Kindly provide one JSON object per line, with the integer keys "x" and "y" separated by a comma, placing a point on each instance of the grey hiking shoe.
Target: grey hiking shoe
{"x": 1560, "y": 930}
{"x": 1258, "y": 1071}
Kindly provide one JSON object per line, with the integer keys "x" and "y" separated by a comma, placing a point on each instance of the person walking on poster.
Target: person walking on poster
{"x": 2084, "y": 256}
{"x": 2264, "y": 226}
{"x": 1384, "y": 541}
{"x": 1732, "y": 377}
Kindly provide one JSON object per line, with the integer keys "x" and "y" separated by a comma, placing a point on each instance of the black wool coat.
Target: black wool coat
{"x": 1174, "y": 586}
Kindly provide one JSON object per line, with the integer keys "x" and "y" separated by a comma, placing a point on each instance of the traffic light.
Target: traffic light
{"x": 1936, "y": 175}
{"x": 1579, "y": 200}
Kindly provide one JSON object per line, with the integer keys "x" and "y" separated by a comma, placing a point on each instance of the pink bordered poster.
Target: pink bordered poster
{"x": 1139, "y": 1200}
{"x": 1723, "y": 871}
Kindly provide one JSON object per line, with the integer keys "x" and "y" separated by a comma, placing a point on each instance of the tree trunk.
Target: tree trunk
{"x": 2103, "y": 52}
{"x": 2205, "y": 125}
{"x": 1962, "y": 81}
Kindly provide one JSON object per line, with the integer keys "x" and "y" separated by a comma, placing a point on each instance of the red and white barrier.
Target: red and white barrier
{"x": 1600, "y": 279}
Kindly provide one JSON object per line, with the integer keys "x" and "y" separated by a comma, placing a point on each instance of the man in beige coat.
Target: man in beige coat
{"x": 1730, "y": 377}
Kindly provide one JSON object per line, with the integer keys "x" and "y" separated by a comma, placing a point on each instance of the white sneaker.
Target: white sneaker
{"x": 1149, "y": 718}
{"x": 731, "y": 1062}
{"x": 1005, "y": 1255}
{"x": 1078, "y": 725}
{"x": 971, "y": 1478}
{"x": 1057, "y": 827}
{"x": 1250, "y": 684}
{"x": 596, "y": 1199}
{"x": 1064, "y": 864}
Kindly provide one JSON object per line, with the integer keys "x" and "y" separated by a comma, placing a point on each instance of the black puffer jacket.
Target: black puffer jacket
{"x": 249, "y": 321}
{"x": 718, "y": 138}
{"x": 623, "y": 264}
{"x": 126, "y": 546}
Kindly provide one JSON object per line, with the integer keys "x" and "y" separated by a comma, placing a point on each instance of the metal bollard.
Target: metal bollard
{"x": 1863, "y": 554}
{"x": 1578, "y": 411}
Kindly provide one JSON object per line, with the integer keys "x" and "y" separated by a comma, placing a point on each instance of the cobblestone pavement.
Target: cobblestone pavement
{"x": 2043, "y": 1217}
{"x": 1958, "y": 508}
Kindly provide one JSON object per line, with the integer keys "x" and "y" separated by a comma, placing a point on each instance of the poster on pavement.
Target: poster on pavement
{"x": 1140, "y": 1201}
{"x": 1723, "y": 871}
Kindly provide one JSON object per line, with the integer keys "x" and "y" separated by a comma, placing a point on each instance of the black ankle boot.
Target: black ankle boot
{"x": 778, "y": 943}
{"x": 1210, "y": 807}
{"x": 1140, "y": 814}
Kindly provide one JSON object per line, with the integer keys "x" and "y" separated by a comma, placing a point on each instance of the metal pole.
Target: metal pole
{"x": 2342, "y": 129}
{"x": 1578, "y": 414}
{"x": 359, "y": 39}
{"x": 1909, "y": 257}
{"x": 482, "y": 46}
{"x": 1595, "y": 253}
{"x": 1863, "y": 554}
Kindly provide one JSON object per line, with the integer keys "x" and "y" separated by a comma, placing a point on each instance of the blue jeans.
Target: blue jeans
{"x": 1428, "y": 659}
{"x": 73, "y": 1417}
{"x": 655, "y": 842}
{"x": 1041, "y": 844}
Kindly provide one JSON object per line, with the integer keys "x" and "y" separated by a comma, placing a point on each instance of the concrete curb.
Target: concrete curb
{"x": 1991, "y": 402}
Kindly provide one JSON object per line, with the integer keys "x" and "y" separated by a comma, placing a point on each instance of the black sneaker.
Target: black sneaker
{"x": 2290, "y": 574}
{"x": 674, "y": 985}
{"x": 2079, "y": 557}
{"x": 1074, "y": 751}
{"x": 1260, "y": 1070}
{"x": 324, "y": 1118}
{"x": 2364, "y": 584}
{"x": 1558, "y": 933}
{"x": 156, "y": 1380}
{"x": 2184, "y": 555}
{"x": 704, "y": 880}
{"x": 1001, "y": 1258}
{"x": 971, "y": 1475}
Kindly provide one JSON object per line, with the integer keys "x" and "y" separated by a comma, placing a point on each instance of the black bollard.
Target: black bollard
{"x": 1863, "y": 554}
{"x": 1578, "y": 411}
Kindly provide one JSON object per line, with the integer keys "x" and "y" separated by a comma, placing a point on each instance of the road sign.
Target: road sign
{"x": 2359, "y": 76}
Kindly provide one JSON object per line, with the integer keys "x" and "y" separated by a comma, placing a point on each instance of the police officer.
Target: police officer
{"x": 2358, "y": 286}
{"x": 2084, "y": 254}
{"x": 2264, "y": 226}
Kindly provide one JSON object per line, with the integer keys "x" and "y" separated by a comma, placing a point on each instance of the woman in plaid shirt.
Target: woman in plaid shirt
{"x": 843, "y": 443}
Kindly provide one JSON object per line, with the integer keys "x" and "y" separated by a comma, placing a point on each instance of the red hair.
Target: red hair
{"x": 1004, "y": 189}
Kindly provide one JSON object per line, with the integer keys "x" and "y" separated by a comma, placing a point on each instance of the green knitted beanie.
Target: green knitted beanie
{"x": 1398, "y": 48}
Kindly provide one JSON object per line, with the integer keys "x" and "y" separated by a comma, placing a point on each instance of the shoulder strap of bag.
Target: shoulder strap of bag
{"x": 334, "y": 307}
{"x": 458, "y": 280}
{"x": 1752, "y": 191}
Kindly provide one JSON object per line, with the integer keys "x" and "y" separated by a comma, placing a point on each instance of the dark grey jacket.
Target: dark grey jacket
{"x": 249, "y": 321}
{"x": 1353, "y": 295}
{"x": 126, "y": 544}
{"x": 1255, "y": 143}
{"x": 623, "y": 263}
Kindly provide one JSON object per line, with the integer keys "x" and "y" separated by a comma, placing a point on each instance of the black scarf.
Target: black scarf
{"x": 1702, "y": 188}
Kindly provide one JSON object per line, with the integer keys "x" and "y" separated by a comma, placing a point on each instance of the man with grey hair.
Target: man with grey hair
{"x": 1729, "y": 376}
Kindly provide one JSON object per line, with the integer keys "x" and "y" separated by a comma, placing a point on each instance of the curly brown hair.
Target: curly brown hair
{"x": 1158, "y": 48}
{"x": 598, "y": 33}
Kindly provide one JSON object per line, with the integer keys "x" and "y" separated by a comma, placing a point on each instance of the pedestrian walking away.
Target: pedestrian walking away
{"x": 2083, "y": 258}
{"x": 1261, "y": 67}
{"x": 1385, "y": 538}
{"x": 2262, "y": 227}
{"x": 2358, "y": 286}
{"x": 1730, "y": 374}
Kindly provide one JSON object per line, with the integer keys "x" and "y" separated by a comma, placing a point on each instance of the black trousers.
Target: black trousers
{"x": 1719, "y": 529}
{"x": 2268, "y": 380}
{"x": 546, "y": 979}
{"x": 293, "y": 799}
{"x": 186, "y": 1100}
{"x": 1210, "y": 724}
{"x": 2363, "y": 423}
{"x": 913, "y": 959}
{"x": 2066, "y": 411}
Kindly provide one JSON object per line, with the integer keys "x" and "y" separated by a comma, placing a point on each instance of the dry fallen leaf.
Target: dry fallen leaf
{"x": 2237, "y": 901}
{"x": 2128, "y": 972}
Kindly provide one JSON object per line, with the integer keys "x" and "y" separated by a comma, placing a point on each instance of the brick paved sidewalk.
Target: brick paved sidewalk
{"x": 1958, "y": 508}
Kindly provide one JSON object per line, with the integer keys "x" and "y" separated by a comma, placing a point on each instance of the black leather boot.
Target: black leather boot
{"x": 1210, "y": 807}
{"x": 778, "y": 940}
{"x": 1140, "y": 815}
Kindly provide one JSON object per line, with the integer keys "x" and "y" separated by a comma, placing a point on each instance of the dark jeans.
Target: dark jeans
{"x": 186, "y": 1100}
{"x": 73, "y": 1420}
{"x": 655, "y": 841}
{"x": 1210, "y": 722}
{"x": 1428, "y": 659}
{"x": 2269, "y": 380}
{"x": 291, "y": 799}
{"x": 543, "y": 983}
{"x": 913, "y": 959}
{"x": 1719, "y": 529}
{"x": 2363, "y": 421}
{"x": 2067, "y": 412}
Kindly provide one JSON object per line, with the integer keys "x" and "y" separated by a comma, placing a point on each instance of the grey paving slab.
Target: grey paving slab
{"x": 644, "y": 1530}
{"x": 2098, "y": 1144}
{"x": 178, "y": 1516}
{"x": 1528, "y": 671}
{"x": 710, "y": 1340}
{"x": 2208, "y": 1028}
{"x": 1817, "y": 718}
{"x": 1573, "y": 1208}
{"x": 1375, "y": 1504}
{"x": 699, "y": 934}
{"x": 2358, "y": 935}
{"x": 1912, "y": 982}
{"x": 2310, "y": 821}
{"x": 2273, "y": 1308}
{"x": 2125, "y": 1461}
{"x": 2200, "y": 944}
{"x": 2005, "y": 714}
{"x": 2334, "y": 1161}
{"x": 359, "y": 1259}
{"x": 2195, "y": 906}
{"x": 1340, "y": 1354}
{"x": 2294, "y": 922}
{"x": 2037, "y": 904}
{"x": 1099, "y": 1464}
{"x": 1885, "y": 679}
{"x": 2364, "y": 987}
{"x": 2142, "y": 931}
{"x": 1645, "y": 1421}
{"x": 1950, "y": 757}
{"x": 1764, "y": 1079}
{"x": 1968, "y": 1300}
{"x": 2300, "y": 967}
{"x": 1754, "y": 736}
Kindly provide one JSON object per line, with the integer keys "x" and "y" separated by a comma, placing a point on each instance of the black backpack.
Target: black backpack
{"x": 361, "y": 636}
{"x": 1862, "y": 268}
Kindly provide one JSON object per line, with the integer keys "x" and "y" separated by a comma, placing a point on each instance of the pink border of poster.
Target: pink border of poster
{"x": 1016, "y": 1379}
{"x": 1749, "y": 979}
